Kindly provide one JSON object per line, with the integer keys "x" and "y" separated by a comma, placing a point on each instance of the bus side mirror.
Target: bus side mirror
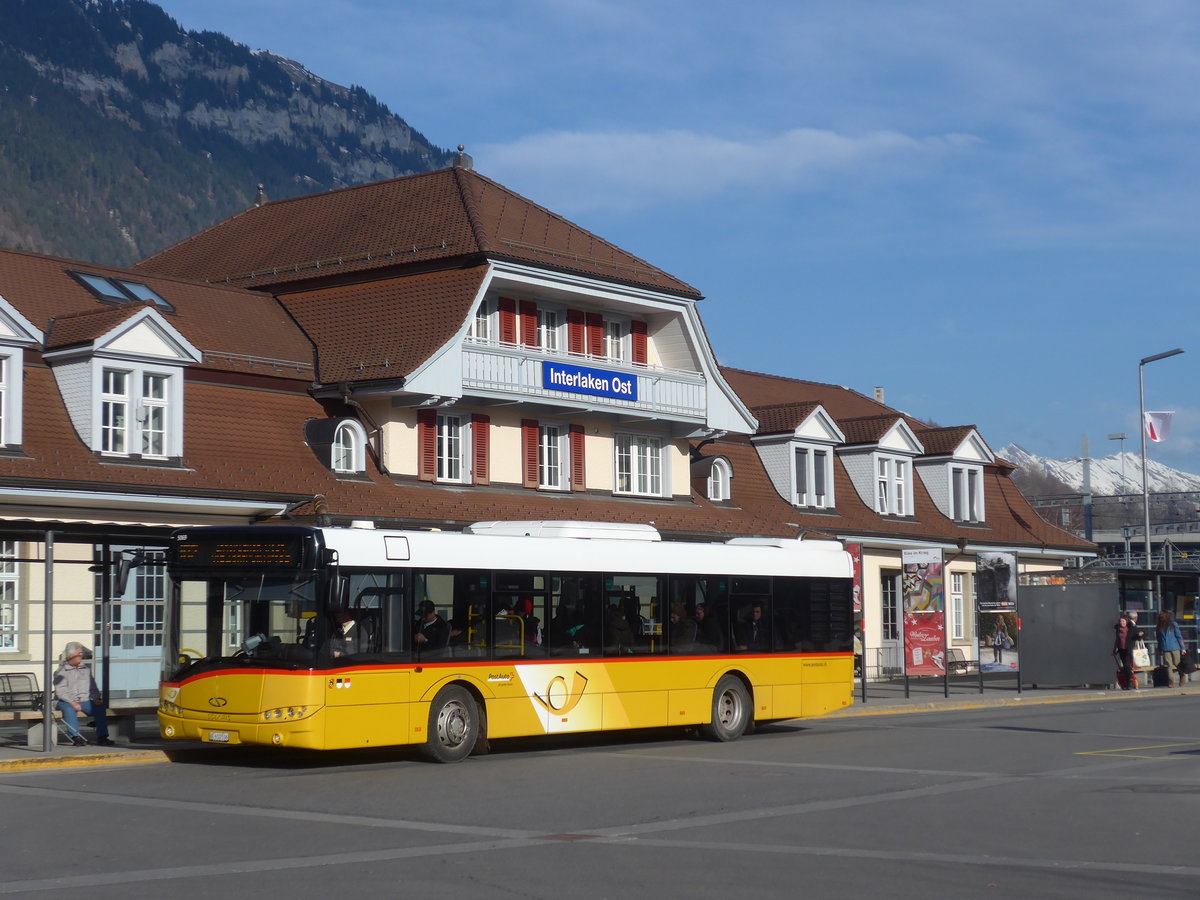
{"x": 129, "y": 561}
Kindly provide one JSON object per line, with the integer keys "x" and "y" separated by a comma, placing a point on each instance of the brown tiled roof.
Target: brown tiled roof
{"x": 419, "y": 219}
{"x": 781, "y": 417}
{"x": 85, "y": 327}
{"x": 384, "y": 329}
{"x": 757, "y": 389}
{"x": 1010, "y": 520}
{"x": 941, "y": 441}
{"x": 232, "y": 327}
{"x": 867, "y": 429}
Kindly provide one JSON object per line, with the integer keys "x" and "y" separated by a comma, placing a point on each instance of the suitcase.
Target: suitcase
{"x": 1162, "y": 678}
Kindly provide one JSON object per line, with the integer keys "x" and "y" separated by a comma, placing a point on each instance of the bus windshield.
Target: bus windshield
{"x": 261, "y": 620}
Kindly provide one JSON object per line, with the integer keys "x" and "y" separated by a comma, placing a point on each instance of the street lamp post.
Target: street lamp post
{"x": 1142, "y": 427}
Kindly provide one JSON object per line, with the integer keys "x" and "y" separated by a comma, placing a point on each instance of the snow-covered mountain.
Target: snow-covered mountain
{"x": 1120, "y": 473}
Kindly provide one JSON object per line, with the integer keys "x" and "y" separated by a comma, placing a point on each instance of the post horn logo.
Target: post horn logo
{"x": 559, "y": 700}
{"x": 217, "y": 702}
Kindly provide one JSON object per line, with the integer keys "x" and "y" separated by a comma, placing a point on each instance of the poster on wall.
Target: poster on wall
{"x": 996, "y": 606}
{"x": 924, "y": 590}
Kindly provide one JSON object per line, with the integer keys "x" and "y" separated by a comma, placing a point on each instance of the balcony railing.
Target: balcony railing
{"x": 517, "y": 370}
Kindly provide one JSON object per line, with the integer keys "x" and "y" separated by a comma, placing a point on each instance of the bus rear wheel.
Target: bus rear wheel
{"x": 730, "y": 710}
{"x": 454, "y": 724}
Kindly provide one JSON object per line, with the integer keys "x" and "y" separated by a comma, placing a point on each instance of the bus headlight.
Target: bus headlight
{"x": 285, "y": 712}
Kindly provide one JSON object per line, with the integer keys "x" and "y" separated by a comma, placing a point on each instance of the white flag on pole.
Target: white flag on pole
{"x": 1158, "y": 425}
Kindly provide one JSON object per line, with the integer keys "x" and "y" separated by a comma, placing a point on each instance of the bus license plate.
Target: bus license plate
{"x": 219, "y": 737}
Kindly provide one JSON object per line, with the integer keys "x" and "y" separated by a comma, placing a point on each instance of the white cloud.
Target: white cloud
{"x": 629, "y": 170}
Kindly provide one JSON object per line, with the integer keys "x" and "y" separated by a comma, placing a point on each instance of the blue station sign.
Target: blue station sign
{"x": 558, "y": 376}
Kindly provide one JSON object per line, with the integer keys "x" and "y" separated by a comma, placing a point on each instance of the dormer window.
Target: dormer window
{"x": 966, "y": 494}
{"x": 893, "y": 484}
{"x": 348, "y": 452}
{"x": 814, "y": 477}
{"x": 135, "y": 411}
{"x": 720, "y": 478}
{"x": 123, "y": 382}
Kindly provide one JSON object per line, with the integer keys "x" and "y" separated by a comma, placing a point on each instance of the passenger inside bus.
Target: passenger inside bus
{"x": 430, "y": 631}
{"x": 752, "y": 632}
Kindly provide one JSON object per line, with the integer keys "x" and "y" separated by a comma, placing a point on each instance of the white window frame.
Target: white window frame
{"x": 154, "y": 414}
{"x": 10, "y": 599}
{"x": 348, "y": 452}
{"x": 966, "y": 493}
{"x": 452, "y": 444}
{"x": 893, "y": 485}
{"x": 484, "y": 327}
{"x": 550, "y": 321}
{"x": 720, "y": 481}
{"x": 812, "y": 476}
{"x": 116, "y": 421}
{"x": 12, "y": 390}
{"x": 638, "y": 465}
{"x": 139, "y": 411}
{"x": 616, "y": 339}
{"x": 553, "y": 456}
{"x": 957, "y": 606}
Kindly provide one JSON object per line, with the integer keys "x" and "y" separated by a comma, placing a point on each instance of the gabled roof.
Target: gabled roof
{"x": 236, "y": 330}
{"x": 86, "y": 326}
{"x": 782, "y": 417}
{"x": 946, "y": 441}
{"x": 384, "y": 329}
{"x": 759, "y": 390}
{"x": 424, "y": 219}
{"x": 869, "y": 429}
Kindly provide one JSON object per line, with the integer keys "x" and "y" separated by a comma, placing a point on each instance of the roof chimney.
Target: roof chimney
{"x": 878, "y": 394}
{"x": 261, "y": 197}
{"x": 463, "y": 160}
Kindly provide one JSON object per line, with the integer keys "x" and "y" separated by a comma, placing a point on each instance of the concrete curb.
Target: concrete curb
{"x": 54, "y": 761}
{"x": 1027, "y": 698}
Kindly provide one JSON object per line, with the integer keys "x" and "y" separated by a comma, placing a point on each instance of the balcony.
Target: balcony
{"x": 516, "y": 371}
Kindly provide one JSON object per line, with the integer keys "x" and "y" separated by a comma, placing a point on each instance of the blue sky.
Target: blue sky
{"x": 990, "y": 209}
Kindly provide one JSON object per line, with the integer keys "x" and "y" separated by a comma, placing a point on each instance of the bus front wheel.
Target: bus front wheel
{"x": 730, "y": 710}
{"x": 453, "y": 725}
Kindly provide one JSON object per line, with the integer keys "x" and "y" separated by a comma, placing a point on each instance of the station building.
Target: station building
{"x": 428, "y": 352}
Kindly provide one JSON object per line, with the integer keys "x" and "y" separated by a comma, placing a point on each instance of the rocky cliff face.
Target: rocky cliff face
{"x": 138, "y": 133}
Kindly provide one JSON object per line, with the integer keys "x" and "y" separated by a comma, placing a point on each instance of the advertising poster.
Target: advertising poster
{"x": 924, "y": 612}
{"x": 996, "y": 605}
{"x": 855, "y": 551}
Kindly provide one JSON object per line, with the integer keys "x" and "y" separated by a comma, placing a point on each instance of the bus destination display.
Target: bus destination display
{"x": 238, "y": 553}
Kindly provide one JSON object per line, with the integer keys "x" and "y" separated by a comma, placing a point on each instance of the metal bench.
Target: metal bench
{"x": 22, "y": 701}
{"x": 957, "y": 662}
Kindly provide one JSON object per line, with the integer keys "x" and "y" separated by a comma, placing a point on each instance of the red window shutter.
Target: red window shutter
{"x": 508, "y": 320}
{"x": 529, "y": 335}
{"x": 575, "y": 341}
{"x": 529, "y": 453}
{"x": 595, "y": 333}
{"x": 481, "y": 437}
{"x": 637, "y": 331}
{"x": 578, "y": 469}
{"x": 427, "y": 444}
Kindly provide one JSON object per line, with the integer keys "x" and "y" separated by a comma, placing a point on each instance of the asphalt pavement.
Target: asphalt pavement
{"x": 882, "y": 699}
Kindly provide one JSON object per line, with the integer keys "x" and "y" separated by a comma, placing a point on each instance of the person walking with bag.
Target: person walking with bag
{"x": 1170, "y": 645}
{"x": 1127, "y": 635}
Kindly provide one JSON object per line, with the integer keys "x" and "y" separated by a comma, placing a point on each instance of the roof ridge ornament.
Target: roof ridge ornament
{"x": 462, "y": 160}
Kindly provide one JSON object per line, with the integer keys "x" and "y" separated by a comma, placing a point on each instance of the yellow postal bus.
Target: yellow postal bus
{"x": 327, "y": 638}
